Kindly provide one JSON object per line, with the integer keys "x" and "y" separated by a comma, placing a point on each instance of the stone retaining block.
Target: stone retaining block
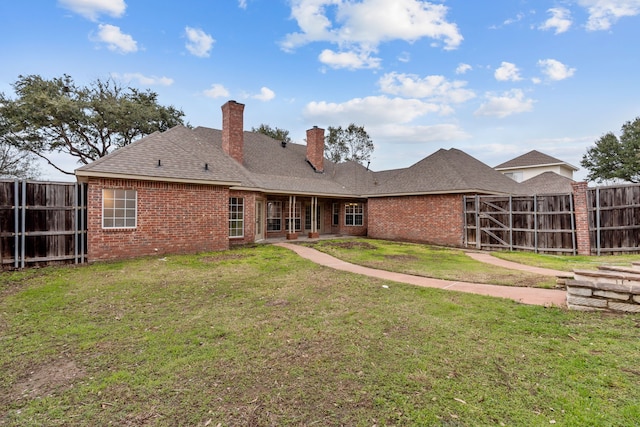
{"x": 608, "y": 288}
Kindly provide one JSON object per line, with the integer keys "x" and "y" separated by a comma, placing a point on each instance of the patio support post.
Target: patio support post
{"x": 314, "y": 233}
{"x": 291, "y": 231}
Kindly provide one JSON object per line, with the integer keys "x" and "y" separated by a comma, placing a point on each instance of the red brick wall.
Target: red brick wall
{"x": 232, "y": 130}
{"x": 172, "y": 218}
{"x": 315, "y": 147}
{"x": 433, "y": 219}
{"x": 582, "y": 217}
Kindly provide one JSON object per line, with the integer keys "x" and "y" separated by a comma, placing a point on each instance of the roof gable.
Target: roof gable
{"x": 532, "y": 159}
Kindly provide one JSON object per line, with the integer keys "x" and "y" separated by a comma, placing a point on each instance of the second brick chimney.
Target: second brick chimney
{"x": 315, "y": 148}
{"x": 232, "y": 129}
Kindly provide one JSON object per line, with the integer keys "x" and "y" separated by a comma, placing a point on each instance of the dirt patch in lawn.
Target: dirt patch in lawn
{"x": 350, "y": 244}
{"x": 45, "y": 379}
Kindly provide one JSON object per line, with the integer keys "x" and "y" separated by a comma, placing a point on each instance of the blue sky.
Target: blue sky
{"x": 494, "y": 78}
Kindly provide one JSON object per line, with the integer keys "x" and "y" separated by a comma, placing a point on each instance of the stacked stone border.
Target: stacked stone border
{"x": 609, "y": 288}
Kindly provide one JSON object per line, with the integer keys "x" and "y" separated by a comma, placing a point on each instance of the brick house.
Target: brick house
{"x": 193, "y": 190}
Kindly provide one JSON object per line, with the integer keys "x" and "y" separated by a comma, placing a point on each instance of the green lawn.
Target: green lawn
{"x": 567, "y": 262}
{"x": 261, "y": 337}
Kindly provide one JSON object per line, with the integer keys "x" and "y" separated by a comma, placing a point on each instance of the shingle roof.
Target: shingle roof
{"x": 181, "y": 156}
{"x": 270, "y": 167}
{"x": 447, "y": 171}
{"x": 548, "y": 183}
{"x": 531, "y": 159}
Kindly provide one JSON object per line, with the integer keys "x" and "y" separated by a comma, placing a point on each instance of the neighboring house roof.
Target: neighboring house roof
{"x": 447, "y": 171}
{"x": 532, "y": 159}
{"x": 548, "y": 183}
{"x": 270, "y": 167}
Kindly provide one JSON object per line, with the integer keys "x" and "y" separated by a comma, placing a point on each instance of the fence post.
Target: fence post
{"x": 16, "y": 223}
{"x": 582, "y": 217}
{"x": 598, "y": 214}
{"x": 23, "y": 225}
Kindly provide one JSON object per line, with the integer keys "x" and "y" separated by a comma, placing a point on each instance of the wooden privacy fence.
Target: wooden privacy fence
{"x": 42, "y": 223}
{"x": 614, "y": 219}
{"x": 542, "y": 223}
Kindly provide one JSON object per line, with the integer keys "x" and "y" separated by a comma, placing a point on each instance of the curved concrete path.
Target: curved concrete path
{"x": 533, "y": 296}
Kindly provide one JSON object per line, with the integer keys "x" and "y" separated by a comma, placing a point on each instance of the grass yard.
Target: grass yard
{"x": 259, "y": 337}
{"x": 566, "y": 262}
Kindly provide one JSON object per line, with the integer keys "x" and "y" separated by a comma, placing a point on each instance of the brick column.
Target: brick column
{"x": 582, "y": 217}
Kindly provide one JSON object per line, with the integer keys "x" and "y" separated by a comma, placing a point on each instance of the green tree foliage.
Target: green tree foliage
{"x": 352, "y": 143}
{"x": 275, "y": 133}
{"x": 614, "y": 158}
{"x": 87, "y": 122}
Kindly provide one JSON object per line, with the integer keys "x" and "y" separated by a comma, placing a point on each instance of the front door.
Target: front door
{"x": 259, "y": 220}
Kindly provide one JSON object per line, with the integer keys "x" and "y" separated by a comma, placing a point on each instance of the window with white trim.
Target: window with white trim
{"x": 274, "y": 216}
{"x": 236, "y": 217}
{"x": 296, "y": 216}
{"x": 354, "y": 214}
{"x": 335, "y": 217}
{"x": 307, "y": 217}
{"x": 119, "y": 208}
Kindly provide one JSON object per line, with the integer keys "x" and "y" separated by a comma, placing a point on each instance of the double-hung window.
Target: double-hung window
{"x": 119, "y": 208}
{"x": 354, "y": 214}
{"x": 236, "y": 217}
{"x": 274, "y": 216}
{"x": 335, "y": 214}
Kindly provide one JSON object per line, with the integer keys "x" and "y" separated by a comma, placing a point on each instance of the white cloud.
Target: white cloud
{"x": 116, "y": 40}
{"x": 242, "y": 4}
{"x": 377, "y": 110}
{"x": 145, "y": 80}
{"x": 216, "y": 91}
{"x": 511, "y": 102}
{"x": 434, "y": 88}
{"x": 560, "y": 20}
{"x": 463, "y": 68}
{"x": 199, "y": 43}
{"x": 92, "y": 9}
{"x": 362, "y": 26}
{"x": 555, "y": 70}
{"x": 404, "y": 57}
{"x": 507, "y": 72}
{"x": 604, "y": 13}
{"x": 265, "y": 94}
{"x": 350, "y": 60}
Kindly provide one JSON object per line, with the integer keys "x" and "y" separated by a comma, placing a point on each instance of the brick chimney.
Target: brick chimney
{"x": 232, "y": 129}
{"x": 315, "y": 148}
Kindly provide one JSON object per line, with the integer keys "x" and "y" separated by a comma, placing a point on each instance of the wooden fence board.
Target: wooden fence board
{"x": 535, "y": 223}
{"x": 42, "y": 223}
{"x": 614, "y": 219}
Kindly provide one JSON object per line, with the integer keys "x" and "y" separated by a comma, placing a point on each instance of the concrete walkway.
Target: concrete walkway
{"x": 533, "y": 296}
